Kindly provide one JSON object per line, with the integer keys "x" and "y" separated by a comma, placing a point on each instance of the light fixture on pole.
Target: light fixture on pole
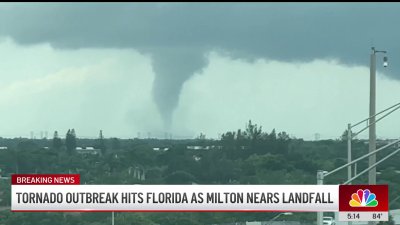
{"x": 385, "y": 61}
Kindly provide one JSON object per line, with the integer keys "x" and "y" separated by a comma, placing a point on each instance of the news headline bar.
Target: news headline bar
{"x": 175, "y": 197}
{"x": 63, "y": 192}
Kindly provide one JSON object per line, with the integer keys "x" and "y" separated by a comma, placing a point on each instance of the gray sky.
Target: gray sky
{"x": 191, "y": 68}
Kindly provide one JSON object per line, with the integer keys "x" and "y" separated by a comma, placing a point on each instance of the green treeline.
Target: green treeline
{"x": 248, "y": 156}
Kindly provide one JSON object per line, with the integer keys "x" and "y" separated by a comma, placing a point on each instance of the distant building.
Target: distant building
{"x": 197, "y": 147}
{"x": 137, "y": 172}
{"x": 196, "y": 158}
{"x": 88, "y": 151}
{"x": 160, "y": 149}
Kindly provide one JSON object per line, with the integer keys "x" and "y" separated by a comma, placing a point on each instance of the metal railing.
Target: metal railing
{"x": 322, "y": 174}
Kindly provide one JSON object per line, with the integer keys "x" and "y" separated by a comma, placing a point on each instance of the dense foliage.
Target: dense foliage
{"x": 249, "y": 156}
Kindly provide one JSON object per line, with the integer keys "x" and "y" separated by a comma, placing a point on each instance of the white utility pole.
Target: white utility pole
{"x": 372, "y": 127}
{"x": 372, "y": 106}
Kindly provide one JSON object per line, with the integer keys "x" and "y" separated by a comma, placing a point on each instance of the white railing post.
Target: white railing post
{"x": 320, "y": 181}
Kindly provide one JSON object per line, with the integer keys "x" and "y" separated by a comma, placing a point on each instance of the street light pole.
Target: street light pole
{"x": 349, "y": 137}
{"x": 320, "y": 181}
{"x": 372, "y": 127}
{"x": 372, "y": 106}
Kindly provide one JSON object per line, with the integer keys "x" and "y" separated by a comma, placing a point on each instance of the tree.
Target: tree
{"x": 254, "y": 134}
{"x": 115, "y": 143}
{"x": 201, "y": 136}
{"x": 228, "y": 140}
{"x": 70, "y": 141}
{"x": 343, "y": 137}
{"x": 241, "y": 142}
{"x": 57, "y": 143}
{"x": 73, "y": 139}
{"x": 253, "y": 131}
{"x": 283, "y": 142}
{"x": 201, "y": 139}
{"x": 271, "y": 136}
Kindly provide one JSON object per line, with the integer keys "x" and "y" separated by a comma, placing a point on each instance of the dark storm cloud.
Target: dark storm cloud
{"x": 178, "y": 35}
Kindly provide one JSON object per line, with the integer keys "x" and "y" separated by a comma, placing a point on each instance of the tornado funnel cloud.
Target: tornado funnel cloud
{"x": 172, "y": 68}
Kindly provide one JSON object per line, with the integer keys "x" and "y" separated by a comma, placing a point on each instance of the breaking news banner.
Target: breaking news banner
{"x": 64, "y": 193}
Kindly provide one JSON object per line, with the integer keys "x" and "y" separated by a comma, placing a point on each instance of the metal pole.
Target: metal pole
{"x": 372, "y": 127}
{"x": 349, "y": 151}
{"x": 349, "y": 137}
{"x": 355, "y": 169}
{"x": 112, "y": 218}
{"x": 320, "y": 181}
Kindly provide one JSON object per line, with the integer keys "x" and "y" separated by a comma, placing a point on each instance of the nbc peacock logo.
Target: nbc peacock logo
{"x": 363, "y": 198}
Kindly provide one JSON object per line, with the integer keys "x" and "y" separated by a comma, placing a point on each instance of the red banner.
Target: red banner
{"x": 43, "y": 179}
{"x": 363, "y": 198}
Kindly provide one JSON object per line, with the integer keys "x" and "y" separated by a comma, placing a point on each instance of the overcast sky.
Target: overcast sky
{"x": 126, "y": 68}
